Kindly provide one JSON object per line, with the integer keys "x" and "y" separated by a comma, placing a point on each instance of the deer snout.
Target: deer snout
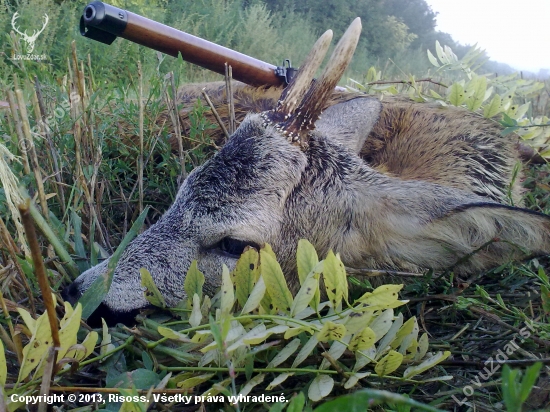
{"x": 71, "y": 293}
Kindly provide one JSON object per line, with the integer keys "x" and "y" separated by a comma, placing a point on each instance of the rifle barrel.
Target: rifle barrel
{"x": 104, "y": 22}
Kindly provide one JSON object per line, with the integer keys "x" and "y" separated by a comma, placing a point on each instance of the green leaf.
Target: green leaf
{"x": 255, "y": 297}
{"x": 152, "y": 294}
{"x": 306, "y": 259}
{"x": 195, "y": 318}
{"x": 305, "y": 351}
{"x": 441, "y": 53}
{"x": 456, "y": 94}
{"x": 388, "y": 363}
{"x": 275, "y": 282}
{"x": 432, "y": 59}
{"x": 476, "y": 92}
{"x": 382, "y": 323}
{"x": 246, "y": 274}
{"x": 194, "y": 281}
{"x": 256, "y": 380}
{"x": 310, "y": 286}
{"x": 425, "y": 365}
{"x": 194, "y": 381}
{"x": 278, "y": 380}
{"x": 3, "y": 366}
{"x": 493, "y": 108}
{"x": 297, "y": 403}
{"x": 285, "y": 353}
{"x": 320, "y": 387}
{"x": 530, "y": 378}
{"x": 95, "y": 294}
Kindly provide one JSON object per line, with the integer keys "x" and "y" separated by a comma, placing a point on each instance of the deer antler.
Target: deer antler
{"x": 15, "y": 17}
{"x": 303, "y": 100}
{"x": 36, "y": 33}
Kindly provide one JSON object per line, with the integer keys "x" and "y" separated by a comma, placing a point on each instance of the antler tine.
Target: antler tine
{"x": 13, "y": 19}
{"x": 315, "y": 99}
{"x": 295, "y": 91}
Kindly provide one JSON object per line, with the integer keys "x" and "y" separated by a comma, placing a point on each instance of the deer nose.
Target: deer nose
{"x": 71, "y": 293}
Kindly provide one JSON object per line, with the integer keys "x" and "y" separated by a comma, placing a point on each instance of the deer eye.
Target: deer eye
{"x": 233, "y": 247}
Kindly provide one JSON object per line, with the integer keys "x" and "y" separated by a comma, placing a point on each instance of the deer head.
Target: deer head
{"x": 288, "y": 174}
{"x": 30, "y": 40}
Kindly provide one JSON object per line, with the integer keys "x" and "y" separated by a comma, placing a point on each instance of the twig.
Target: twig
{"x": 177, "y": 125}
{"x": 140, "y": 160}
{"x": 215, "y": 112}
{"x": 379, "y": 272}
{"x": 229, "y": 94}
{"x": 40, "y": 271}
{"x": 495, "y": 319}
{"x": 406, "y": 82}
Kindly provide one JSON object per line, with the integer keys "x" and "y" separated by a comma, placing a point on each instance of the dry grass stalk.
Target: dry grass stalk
{"x": 230, "y": 102}
{"x": 30, "y": 147}
{"x": 10, "y": 184}
{"x": 13, "y": 250}
{"x": 216, "y": 115}
{"x": 140, "y": 160}
{"x": 47, "y": 378}
{"x": 53, "y": 154}
{"x": 19, "y": 130}
{"x": 177, "y": 125}
{"x": 40, "y": 271}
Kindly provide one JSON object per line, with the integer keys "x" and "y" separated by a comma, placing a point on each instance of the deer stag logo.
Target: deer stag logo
{"x": 30, "y": 40}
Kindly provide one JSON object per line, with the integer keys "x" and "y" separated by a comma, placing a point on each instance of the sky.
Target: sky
{"x": 511, "y": 31}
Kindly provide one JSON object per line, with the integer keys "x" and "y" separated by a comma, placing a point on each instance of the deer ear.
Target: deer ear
{"x": 480, "y": 236}
{"x": 349, "y": 123}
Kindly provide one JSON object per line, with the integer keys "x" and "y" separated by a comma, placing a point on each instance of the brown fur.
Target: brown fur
{"x": 413, "y": 141}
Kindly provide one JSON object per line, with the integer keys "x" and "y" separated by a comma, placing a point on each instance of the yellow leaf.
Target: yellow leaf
{"x": 106, "y": 345}
{"x": 275, "y": 282}
{"x": 363, "y": 340}
{"x": 290, "y": 333}
{"x": 382, "y": 295}
{"x": 356, "y": 321}
{"x": 28, "y": 319}
{"x": 172, "y": 334}
{"x": 89, "y": 344}
{"x": 246, "y": 274}
{"x": 152, "y": 294}
{"x": 227, "y": 292}
{"x": 334, "y": 276}
{"x": 404, "y": 331}
{"x": 388, "y": 363}
{"x": 331, "y": 331}
{"x": 37, "y": 347}
{"x": 493, "y": 108}
{"x": 69, "y": 328}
